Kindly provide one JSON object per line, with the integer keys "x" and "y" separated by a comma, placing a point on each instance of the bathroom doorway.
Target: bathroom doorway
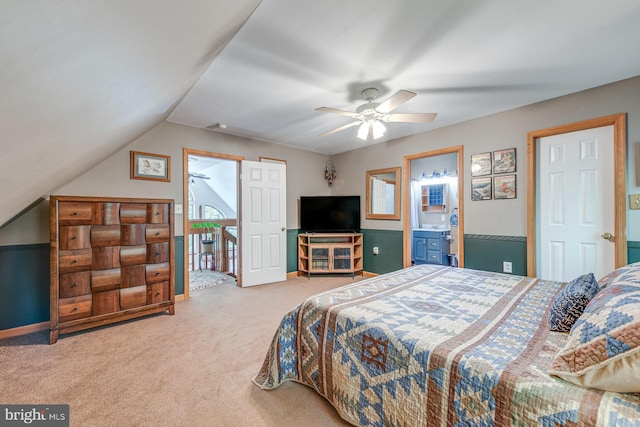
{"x": 433, "y": 203}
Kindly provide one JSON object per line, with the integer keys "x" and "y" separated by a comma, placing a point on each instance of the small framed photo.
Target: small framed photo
{"x": 152, "y": 167}
{"x": 504, "y": 187}
{"x": 481, "y": 164}
{"x": 481, "y": 188}
{"x": 504, "y": 161}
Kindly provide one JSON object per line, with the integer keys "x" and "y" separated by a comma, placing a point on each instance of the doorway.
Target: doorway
{"x": 210, "y": 219}
{"x": 618, "y": 122}
{"x": 453, "y": 219}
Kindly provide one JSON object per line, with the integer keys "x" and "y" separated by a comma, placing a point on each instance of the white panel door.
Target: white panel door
{"x": 576, "y": 204}
{"x": 263, "y": 233}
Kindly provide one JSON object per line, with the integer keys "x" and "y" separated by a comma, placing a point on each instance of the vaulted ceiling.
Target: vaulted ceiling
{"x": 82, "y": 79}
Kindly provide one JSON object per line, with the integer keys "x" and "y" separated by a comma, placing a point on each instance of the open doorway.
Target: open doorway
{"x": 436, "y": 206}
{"x": 210, "y": 196}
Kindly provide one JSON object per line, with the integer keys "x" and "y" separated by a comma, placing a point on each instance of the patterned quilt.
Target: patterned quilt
{"x": 437, "y": 346}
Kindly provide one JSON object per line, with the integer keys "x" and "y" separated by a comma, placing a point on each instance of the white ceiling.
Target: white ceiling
{"x": 82, "y": 79}
{"x": 464, "y": 58}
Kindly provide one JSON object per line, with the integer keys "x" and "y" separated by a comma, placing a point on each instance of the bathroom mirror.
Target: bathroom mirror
{"x": 383, "y": 194}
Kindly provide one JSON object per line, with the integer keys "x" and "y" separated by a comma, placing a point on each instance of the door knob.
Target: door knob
{"x": 283, "y": 228}
{"x": 607, "y": 236}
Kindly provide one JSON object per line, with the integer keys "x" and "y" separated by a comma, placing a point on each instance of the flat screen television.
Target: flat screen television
{"x": 330, "y": 214}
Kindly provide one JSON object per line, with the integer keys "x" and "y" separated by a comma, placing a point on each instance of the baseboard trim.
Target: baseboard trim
{"x": 367, "y": 274}
{"x": 292, "y": 275}
{"x": 24, "y": 330}
{"x": 179, "y": 297}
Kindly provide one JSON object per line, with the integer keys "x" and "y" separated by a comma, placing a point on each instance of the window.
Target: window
{"x": 212, "y": 213}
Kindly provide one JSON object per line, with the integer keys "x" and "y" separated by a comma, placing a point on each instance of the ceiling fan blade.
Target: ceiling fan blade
{"x": 341, "y": 128}
{"x": 396, "y": 100}
{"x": 411, "y": 117}
{"x": 336, "y": 111}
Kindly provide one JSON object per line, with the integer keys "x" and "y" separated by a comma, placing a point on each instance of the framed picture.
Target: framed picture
{"x": 481, "y": 188}
{"x": 504, "y": 187}
{"x": 152, "y": 167}
{"x": 504, "y": 161}
{"x": 481, "y": 164}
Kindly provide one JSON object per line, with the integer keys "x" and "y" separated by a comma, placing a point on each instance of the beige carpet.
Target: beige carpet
{"x": 191, "y": 369}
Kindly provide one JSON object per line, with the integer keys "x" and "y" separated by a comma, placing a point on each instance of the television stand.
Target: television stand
{"x": 329, "y": 253}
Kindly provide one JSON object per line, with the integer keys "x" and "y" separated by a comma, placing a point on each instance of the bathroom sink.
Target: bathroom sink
{"x": 435, "y": 227}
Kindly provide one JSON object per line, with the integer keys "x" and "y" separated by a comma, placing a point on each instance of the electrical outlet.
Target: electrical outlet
{"x": 634, "y": 201}
{"x": 506, "y": 267}
{"x": 375, "y": 250}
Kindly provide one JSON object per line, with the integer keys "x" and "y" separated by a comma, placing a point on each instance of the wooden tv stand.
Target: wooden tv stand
{"x": 329, "y": 253}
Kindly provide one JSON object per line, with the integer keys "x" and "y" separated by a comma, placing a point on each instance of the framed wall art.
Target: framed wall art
{"x": 504, "y": 161}
{"x": 504, "y": 187}
{"x": 152, "y": 167}
{"x": 481, "y": 188}
{"x": 481, "y": 164}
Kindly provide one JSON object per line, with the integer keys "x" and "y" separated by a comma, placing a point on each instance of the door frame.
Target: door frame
{"x": 618, "y": 121}
{"x": 406, "y": 200}
{"x": 186, "y": 152}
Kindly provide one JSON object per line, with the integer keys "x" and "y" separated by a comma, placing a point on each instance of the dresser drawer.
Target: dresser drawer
{"x": 158, "y": 292}
{"x": 74, "y": 308}
{"x": 158, "y": 272}
{"x": 75, "y": 284}
{"x": 75, "y": 213}
{"x": 74, "y": 260}
{"x": 158, "y": 253}
{"x": 106, "y": 258}
{"x": 105, "y": 302}
{"x": 133, "y": 213}
{"x": 105, "y": 235}
{"x": 157, "y": 233}
{"x": 433, "y": 244}
{"x": 74, "y": 237}
{"x": 133, "y": 297}
{"x": 133, "y": 234}
{"x": 107, "y": 213}
{"x": 105, "y": 280}
{"x": 133, "y": 255}
{"x": 158, "y": 213}
{"x": 134, "y": 275}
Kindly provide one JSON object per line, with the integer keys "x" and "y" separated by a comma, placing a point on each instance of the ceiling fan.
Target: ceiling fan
{"x": 198, "y": 175}
{"x": 372, "y": 115}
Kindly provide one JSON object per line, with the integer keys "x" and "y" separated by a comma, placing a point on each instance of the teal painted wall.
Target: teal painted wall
{"x": 389, "y": 243}
{"x": 484, "y": 252}
{"x": 24, "y": 269}
{"x": 24, "y": 285}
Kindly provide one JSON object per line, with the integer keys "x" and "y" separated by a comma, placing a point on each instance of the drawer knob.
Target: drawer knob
{"x": 74, "y": 213}
{"x": 157, "y": 293}
{"x": 74, "y": 261}
{"x": 157, "y": 213}
{"x": 157, "y": 233}
{"x": 157, "y": 273}
{"x": 75, "y": 285}
{"x": 75, "y": 309}
{"x": 73, "y": 238}
{"x": 156, "y": 253}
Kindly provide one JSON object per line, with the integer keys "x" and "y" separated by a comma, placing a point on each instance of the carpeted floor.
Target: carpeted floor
{"x": 190, "y": 369}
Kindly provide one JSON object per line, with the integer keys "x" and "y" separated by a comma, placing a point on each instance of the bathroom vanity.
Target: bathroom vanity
{"x": 431, "y": 246}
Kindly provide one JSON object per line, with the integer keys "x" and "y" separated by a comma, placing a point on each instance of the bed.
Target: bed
{"x": 440, "y": 346}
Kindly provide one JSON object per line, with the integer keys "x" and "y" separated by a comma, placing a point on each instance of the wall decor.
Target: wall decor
{"x": 504, "y": 161}
{"x": 504, "y": 187}
{"x": 481, "y": 164}
{"x": 152, "y": 167}
{"x": 481, "y": 188}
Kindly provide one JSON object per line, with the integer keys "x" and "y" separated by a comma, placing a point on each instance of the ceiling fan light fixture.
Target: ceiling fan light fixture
{"x": 378, "y": 129}
{"x": 363, "y": 131}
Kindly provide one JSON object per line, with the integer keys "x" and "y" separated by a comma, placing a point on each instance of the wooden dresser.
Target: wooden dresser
{"x": 112, "y": 259}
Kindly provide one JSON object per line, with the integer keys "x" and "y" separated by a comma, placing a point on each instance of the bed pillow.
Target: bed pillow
{"x": 603, "y": 348}
{"x": 632, "y": 269}
{"x": 570, "y": 302}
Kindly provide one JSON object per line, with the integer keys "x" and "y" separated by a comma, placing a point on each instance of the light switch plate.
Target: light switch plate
{"x": 634, "y": 201}
{"x": 177, "y": 209}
